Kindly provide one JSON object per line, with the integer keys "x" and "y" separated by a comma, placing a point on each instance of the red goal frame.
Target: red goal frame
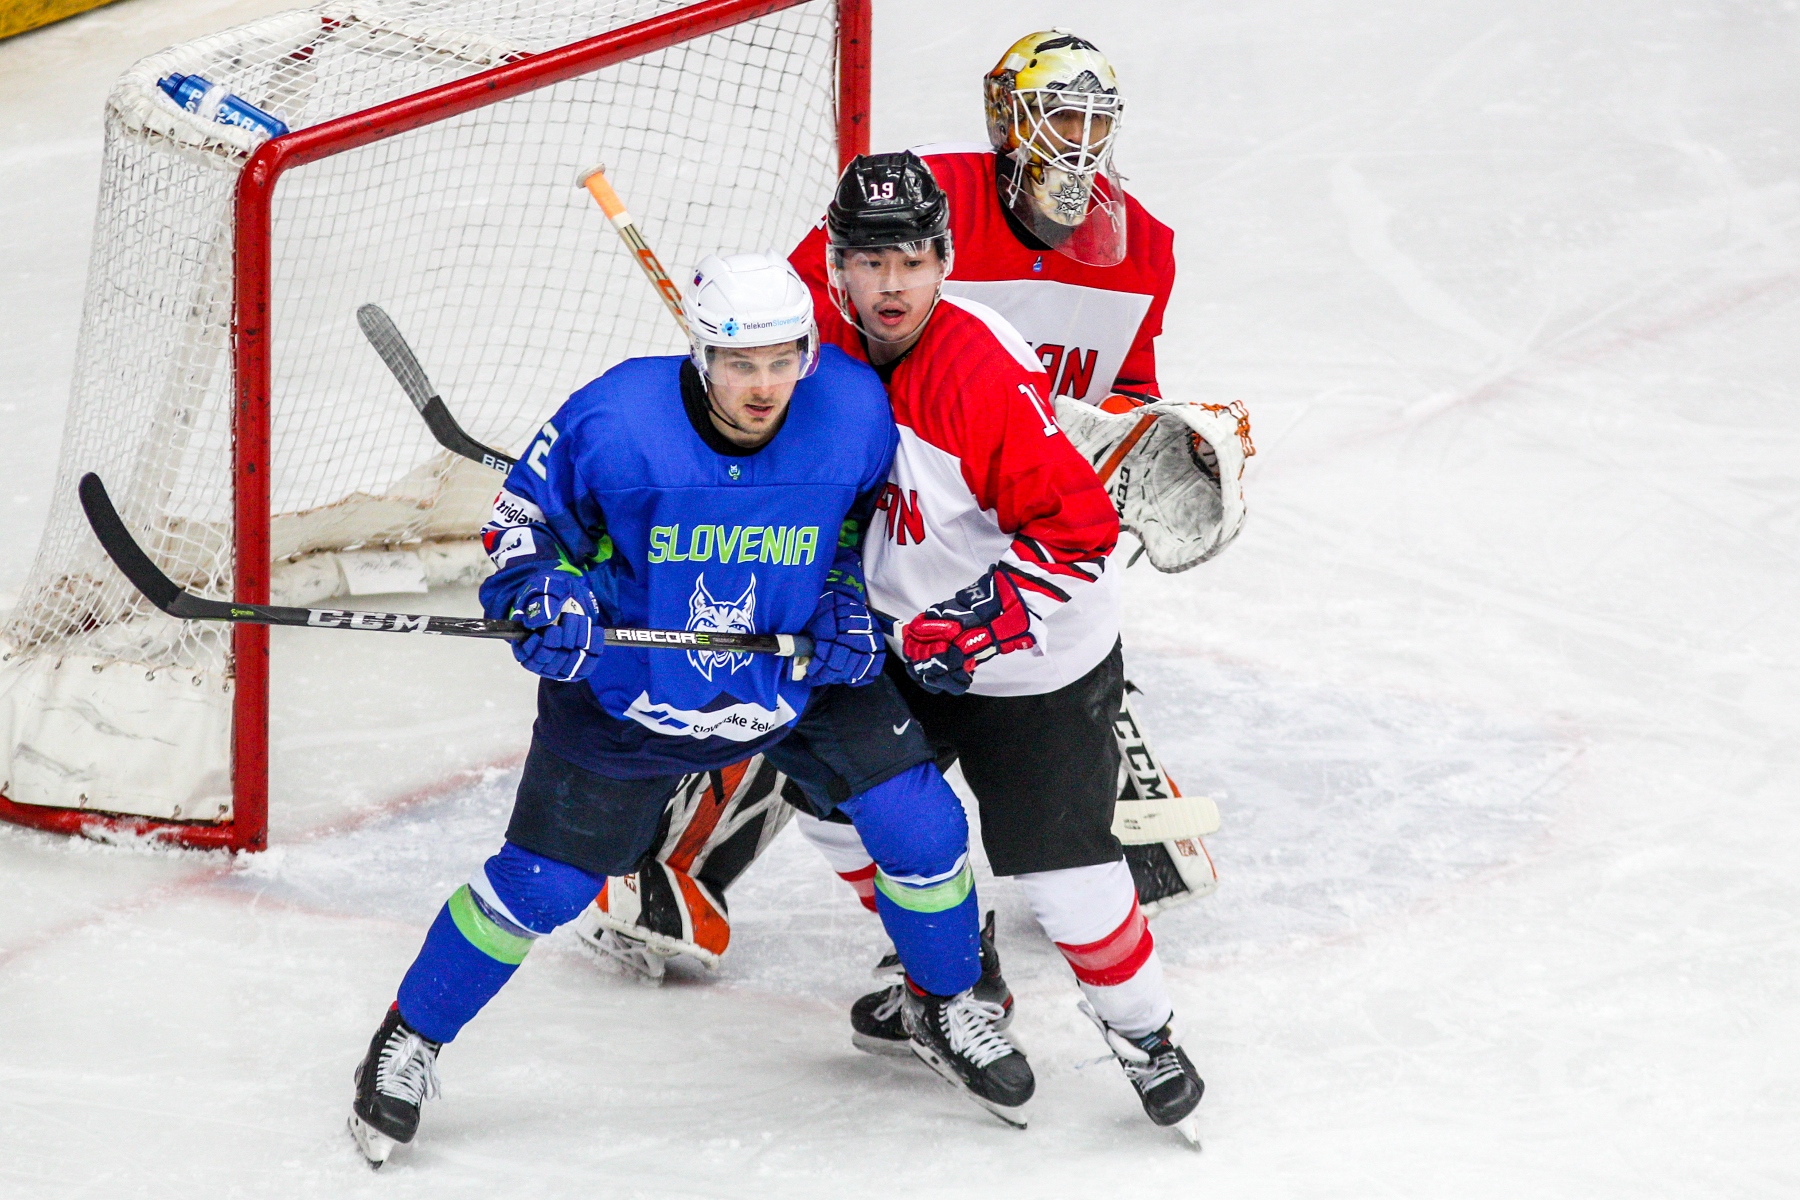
{"x": 248, "y": 830}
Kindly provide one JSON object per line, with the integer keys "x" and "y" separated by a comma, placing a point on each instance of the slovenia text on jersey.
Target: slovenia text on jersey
{"x": 672, "y": 533}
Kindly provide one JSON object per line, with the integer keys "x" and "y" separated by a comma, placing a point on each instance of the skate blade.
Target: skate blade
{"x": 882, "y": 1046}
{"x": 374, "y": 1144}
{"x": 1189, "y": 1128}
{"x": 1014, "y": 1117}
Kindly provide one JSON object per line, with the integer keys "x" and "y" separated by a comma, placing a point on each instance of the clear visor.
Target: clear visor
{"x": 1068, "y": 131}
{"x": 1081, "y": 215}
{"x": 907, "y": 275}
{"x": 745, "y": 368}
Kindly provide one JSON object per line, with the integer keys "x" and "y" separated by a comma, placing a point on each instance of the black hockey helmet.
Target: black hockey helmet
{"x": 887, "y": 200}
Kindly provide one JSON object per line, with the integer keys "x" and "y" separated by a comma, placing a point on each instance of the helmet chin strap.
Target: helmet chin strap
{"x": 712, "y": 407}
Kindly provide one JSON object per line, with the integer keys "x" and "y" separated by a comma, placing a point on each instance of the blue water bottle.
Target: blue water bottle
{"x": 211, "y": 102}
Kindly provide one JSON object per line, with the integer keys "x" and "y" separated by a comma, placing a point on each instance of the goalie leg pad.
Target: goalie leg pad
{"x": 717, "y": 823}
{"x": 669, "y": 910}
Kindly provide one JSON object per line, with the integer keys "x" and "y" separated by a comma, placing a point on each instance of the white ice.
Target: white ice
{"x": 1498, "y": 692}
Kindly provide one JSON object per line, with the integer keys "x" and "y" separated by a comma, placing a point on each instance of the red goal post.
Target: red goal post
{"x": 254, "y": 322}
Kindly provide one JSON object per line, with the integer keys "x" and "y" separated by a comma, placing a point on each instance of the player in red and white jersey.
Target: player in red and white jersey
{"x": 1085, "y": 285}
{"x": 984, "y": 475}
{"x": 988, "y": 554}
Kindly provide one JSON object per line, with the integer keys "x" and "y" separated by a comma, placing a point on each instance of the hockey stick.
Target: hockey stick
{"x": 168, "y": 595}
{"x": 594, "y": 180}
{"x": 384, "y": 335}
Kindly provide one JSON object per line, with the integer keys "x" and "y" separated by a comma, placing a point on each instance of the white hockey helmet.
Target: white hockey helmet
{"x": 749, "y": 300}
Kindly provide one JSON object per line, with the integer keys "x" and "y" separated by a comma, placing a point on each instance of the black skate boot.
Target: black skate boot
{"x": 393, "y": 1079}
{"x": 956, "y": 1037}
{"x": 875, "y": 1024}
{"x": 1159, "y": 1069}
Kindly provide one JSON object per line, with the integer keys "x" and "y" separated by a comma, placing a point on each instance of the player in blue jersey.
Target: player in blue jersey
{"x": 724, "y": 490}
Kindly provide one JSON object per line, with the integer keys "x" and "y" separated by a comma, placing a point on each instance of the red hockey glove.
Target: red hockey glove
{"x": 945, "y": 643}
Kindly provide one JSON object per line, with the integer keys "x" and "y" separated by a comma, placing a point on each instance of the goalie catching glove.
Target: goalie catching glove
{"x": 1173, "y": 468}
{"x": 560, "y": 610}
{"x": 945, "y": 643}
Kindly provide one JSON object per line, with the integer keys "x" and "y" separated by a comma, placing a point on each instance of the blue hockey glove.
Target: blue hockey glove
{"x": 565, "y": 642}
{"x": 945, "y": 643}
{"x": 846, "y": 646}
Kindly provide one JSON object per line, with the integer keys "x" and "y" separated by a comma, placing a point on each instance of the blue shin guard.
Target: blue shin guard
{"x": 914, "y": 829}
{"x": 482, "y": 934}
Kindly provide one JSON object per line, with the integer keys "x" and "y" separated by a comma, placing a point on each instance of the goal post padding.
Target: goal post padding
{"x": 222, "y": 389}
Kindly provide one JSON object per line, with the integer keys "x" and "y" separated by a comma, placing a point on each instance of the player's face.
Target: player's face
{"x": 751, "y": 388}
{"x": 893, "y": 289}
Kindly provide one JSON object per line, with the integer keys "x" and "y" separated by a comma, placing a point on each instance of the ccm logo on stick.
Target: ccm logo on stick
{"x": 334, "y": 618}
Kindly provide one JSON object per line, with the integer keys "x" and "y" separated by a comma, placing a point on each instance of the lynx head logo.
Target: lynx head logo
{"x": 720, "y": 616}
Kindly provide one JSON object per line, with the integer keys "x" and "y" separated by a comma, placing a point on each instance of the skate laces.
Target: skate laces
{"x": 407, "y": 1068}
{"x": 972, "y": 1032}
{"x": 1148, "y": 1061}
{"x": 1160, "y": 1062}
{"x": 890, "y": 1003}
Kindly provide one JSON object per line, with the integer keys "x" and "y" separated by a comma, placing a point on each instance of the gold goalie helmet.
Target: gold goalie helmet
{"x": 1053, "y": 110}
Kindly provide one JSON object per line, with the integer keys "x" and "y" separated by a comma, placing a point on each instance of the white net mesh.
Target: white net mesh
{"x": 471, "y": 233}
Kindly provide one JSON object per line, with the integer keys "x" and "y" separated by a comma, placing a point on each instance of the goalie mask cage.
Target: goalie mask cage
{"x": 250, "y": 437}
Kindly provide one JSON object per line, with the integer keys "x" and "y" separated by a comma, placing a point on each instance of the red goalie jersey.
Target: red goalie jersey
{"x": 982, "y": 475}
{"x": 1093, "y": 329}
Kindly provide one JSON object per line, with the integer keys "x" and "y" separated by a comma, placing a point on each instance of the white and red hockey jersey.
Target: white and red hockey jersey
{"x": 1093, "y": 329}
{"x": 982, "y": 476}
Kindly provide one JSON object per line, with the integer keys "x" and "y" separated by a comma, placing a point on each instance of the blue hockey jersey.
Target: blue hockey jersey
{"x": 676, "y": 530}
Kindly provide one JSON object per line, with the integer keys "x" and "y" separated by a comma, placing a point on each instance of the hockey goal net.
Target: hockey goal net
{"x": 252, "y": 440}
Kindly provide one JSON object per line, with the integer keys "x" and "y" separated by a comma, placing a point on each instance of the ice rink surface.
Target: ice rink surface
{"x": 1499, "y": 691}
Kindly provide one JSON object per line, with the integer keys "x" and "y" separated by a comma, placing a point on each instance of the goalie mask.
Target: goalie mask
{"x": 888, "y": 226}
{"x": 1053, "y": 112}
{"x": 746, "y": 301}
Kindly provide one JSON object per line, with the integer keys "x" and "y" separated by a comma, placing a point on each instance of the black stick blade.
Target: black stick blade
{"x": 404, "y": 365}
{"x": 453, "y": 438}
{"x": 122, "y": 548}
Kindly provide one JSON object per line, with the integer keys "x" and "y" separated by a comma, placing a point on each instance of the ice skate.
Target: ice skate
{"x": 875, "y": 1022}
{"x": 957, "y": 1037}
{"x": 1158, "y": 1068}
{"x": 394, "y": 1078}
